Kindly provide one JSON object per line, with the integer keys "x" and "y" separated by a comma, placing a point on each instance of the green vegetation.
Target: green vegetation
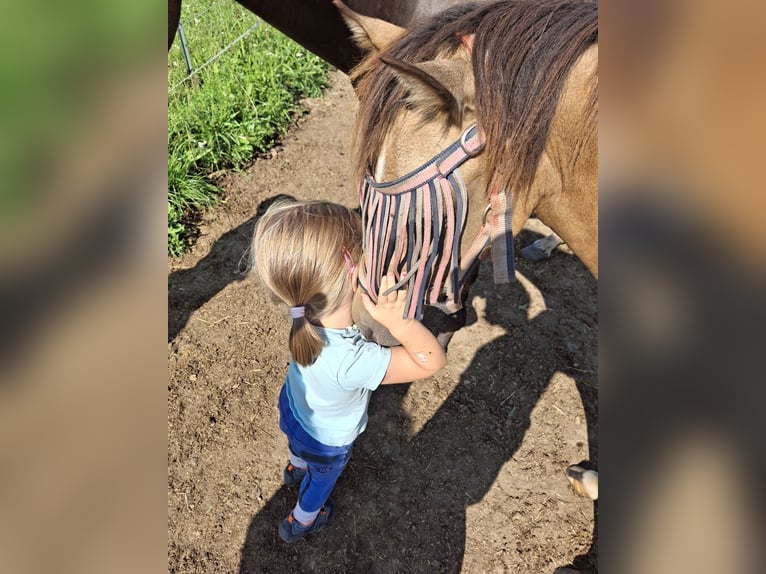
{"x": 235, "y": 108}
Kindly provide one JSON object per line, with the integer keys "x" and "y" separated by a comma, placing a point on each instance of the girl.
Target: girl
{"x": 304, "y": 252}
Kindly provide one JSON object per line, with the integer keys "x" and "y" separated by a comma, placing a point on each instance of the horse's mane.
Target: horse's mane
{"x": 522, "y": 52}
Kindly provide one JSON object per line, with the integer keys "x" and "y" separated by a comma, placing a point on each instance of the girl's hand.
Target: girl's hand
{"x": 419, "y": 354}
{"x": 390, "y": 308}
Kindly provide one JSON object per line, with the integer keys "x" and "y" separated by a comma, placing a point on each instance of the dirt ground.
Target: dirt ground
{"x": 463, "y": 472}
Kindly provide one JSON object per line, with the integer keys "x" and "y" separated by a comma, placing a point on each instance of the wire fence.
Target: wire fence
{"x": 190, "y": 9}
{"x": 212, "y": 59}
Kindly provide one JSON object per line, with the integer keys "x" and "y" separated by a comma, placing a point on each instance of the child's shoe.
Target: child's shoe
{"x": 293, "y": 475}
{"x": 291, "y": 530}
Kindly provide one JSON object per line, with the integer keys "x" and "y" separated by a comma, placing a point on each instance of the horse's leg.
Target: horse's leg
{"x": 174, "y": 17}
{"x": 541, "y": 248}
{"x": 317, "y": 26}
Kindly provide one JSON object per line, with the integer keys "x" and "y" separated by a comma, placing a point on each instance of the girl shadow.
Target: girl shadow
{"x": 189, "y": 289}
{"x": 402, "y": 502}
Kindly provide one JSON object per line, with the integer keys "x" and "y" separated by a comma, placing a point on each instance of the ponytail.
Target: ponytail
{"x": 300, "y": 252}
{"x": 305, "y": 342}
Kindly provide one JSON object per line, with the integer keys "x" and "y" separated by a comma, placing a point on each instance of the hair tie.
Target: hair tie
{"x": 297, "y": 312}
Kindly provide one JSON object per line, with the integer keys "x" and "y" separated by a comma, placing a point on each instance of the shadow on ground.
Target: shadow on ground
{"x": 190, "y": 289}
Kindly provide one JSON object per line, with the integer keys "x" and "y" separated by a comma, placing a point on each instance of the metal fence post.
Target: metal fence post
{"x": 185, "y": 49}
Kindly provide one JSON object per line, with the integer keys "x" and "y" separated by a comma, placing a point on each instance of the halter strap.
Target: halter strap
{"x": 471, "y": 143}
{"x": 429, "y": 206}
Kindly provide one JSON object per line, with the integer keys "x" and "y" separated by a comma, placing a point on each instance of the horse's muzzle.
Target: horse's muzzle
{"x": 441, "y": 323}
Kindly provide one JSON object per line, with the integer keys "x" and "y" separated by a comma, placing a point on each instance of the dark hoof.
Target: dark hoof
{"x": 542, "y": 248}
{"x": 533, "y": 253}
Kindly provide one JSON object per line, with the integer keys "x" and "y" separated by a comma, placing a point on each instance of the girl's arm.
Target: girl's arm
{"x": 420, "y": 354}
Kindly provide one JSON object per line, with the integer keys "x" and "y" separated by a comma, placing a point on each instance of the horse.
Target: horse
{"x": 485, "y": 113}
{"x": 319, "y": 27}
{"x": 468, "y": 123}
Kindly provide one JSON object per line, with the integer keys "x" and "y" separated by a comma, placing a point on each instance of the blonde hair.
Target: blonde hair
{"x": 298, "y": 251}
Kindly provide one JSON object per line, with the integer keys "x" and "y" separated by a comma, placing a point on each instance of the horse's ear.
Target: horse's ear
{"x": 370, "y": 34}
{"x": 443, "y": 85}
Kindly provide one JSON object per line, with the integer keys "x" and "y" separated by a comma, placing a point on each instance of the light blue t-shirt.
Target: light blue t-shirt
{"x": 329, "y": 397}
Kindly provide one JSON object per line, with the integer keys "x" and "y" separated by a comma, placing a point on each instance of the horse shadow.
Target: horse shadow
{"x": 190, "y": 289}
{"x": 401, "y": 504}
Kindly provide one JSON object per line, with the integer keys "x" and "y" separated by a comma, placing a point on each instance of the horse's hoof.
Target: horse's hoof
{"x": 541, "y": 248}
{"x": 585, "y": 482}
{"x": 532, "y": 253}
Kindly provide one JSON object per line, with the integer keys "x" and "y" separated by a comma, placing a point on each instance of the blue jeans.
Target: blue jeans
{"x": 325, "y": 463}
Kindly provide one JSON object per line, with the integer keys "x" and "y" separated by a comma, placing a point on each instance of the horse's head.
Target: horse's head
{"x": 433, "y": 197}
{"x": 429, "y": 106}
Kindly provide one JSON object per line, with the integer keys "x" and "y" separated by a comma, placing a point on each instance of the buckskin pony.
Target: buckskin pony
{"x": 468, "y": 123}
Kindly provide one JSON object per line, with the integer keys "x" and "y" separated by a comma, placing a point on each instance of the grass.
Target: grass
{"x": 237, "y": 106}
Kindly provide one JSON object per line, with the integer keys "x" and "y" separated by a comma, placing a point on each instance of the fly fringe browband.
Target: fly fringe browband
{"x": 426, "y": 210}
